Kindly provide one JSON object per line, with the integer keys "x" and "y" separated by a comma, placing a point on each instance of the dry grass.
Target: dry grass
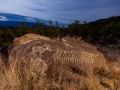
{"x": 15, "y": 79}
{"x": 56, "y": 79}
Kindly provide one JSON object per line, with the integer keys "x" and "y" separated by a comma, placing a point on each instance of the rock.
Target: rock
{"x": 25, "y": 39}
{"x": 28, "y": 38}
{"x": 69, "y": 52}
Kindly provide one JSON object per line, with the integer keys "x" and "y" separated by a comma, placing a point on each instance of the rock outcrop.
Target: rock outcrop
{"x": 25, "y": 39}
{"x": 77, "y": 55}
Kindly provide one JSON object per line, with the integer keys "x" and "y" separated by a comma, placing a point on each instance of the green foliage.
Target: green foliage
{"x": 107, "y": 30}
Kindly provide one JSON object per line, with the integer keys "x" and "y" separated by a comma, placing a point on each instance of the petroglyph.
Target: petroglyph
{"x": 85, "y": 56}
{"x": 40, "y": 49}
{"x": 74, "y": 57}
{"x": 30, "y": 45}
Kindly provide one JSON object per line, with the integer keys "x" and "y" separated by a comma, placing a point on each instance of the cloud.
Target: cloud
{"x": 63, "y": 10}
{"x": 30, "y": 19}
{"x": 3, "y": 18}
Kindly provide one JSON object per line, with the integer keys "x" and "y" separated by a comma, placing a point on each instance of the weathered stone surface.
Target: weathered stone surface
{"x": 28, "y": 38}
{"x": 68, "y": 52}
{"x": 25, "y": 39}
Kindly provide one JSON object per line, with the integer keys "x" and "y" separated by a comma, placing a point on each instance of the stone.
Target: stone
{"x": 25, "y": 39}
{"x": 68, "y": 52}
{"x": 28, "y": 38}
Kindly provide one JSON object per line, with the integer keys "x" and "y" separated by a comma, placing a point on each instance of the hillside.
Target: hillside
{"x": 104, "y": 31}
{"x": 107, "y": 28}
{"x": 15, "y": 24}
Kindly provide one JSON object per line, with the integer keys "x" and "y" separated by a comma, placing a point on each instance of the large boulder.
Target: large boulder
{"x": 40, "y": 54}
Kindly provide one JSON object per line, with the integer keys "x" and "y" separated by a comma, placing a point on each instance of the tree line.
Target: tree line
{"x": 103, "y": 30}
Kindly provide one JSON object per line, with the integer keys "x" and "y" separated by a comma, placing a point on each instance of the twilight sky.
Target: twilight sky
{"x": 62, "y": 10}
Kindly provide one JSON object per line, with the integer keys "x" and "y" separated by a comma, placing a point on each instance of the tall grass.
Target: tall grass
{"x": 56, "y": 79}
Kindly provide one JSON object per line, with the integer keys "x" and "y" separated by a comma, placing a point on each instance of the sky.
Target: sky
{"x": 62, "y": 10}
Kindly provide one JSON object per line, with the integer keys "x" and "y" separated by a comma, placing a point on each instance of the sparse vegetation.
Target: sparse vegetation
{"x": 104, "y": 30}
{"x": 10, "y": 79}
{"x": 14, "y": 79}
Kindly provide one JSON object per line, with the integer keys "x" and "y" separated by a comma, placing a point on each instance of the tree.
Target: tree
{"x": 50, "y": 22}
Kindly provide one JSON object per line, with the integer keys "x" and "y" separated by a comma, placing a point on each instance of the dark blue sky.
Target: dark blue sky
{"x": 62, "y": 10}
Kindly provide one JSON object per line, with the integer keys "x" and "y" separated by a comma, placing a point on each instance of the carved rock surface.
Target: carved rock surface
{"x": 68, "y": 52}
{"x": 25, "y": 39}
